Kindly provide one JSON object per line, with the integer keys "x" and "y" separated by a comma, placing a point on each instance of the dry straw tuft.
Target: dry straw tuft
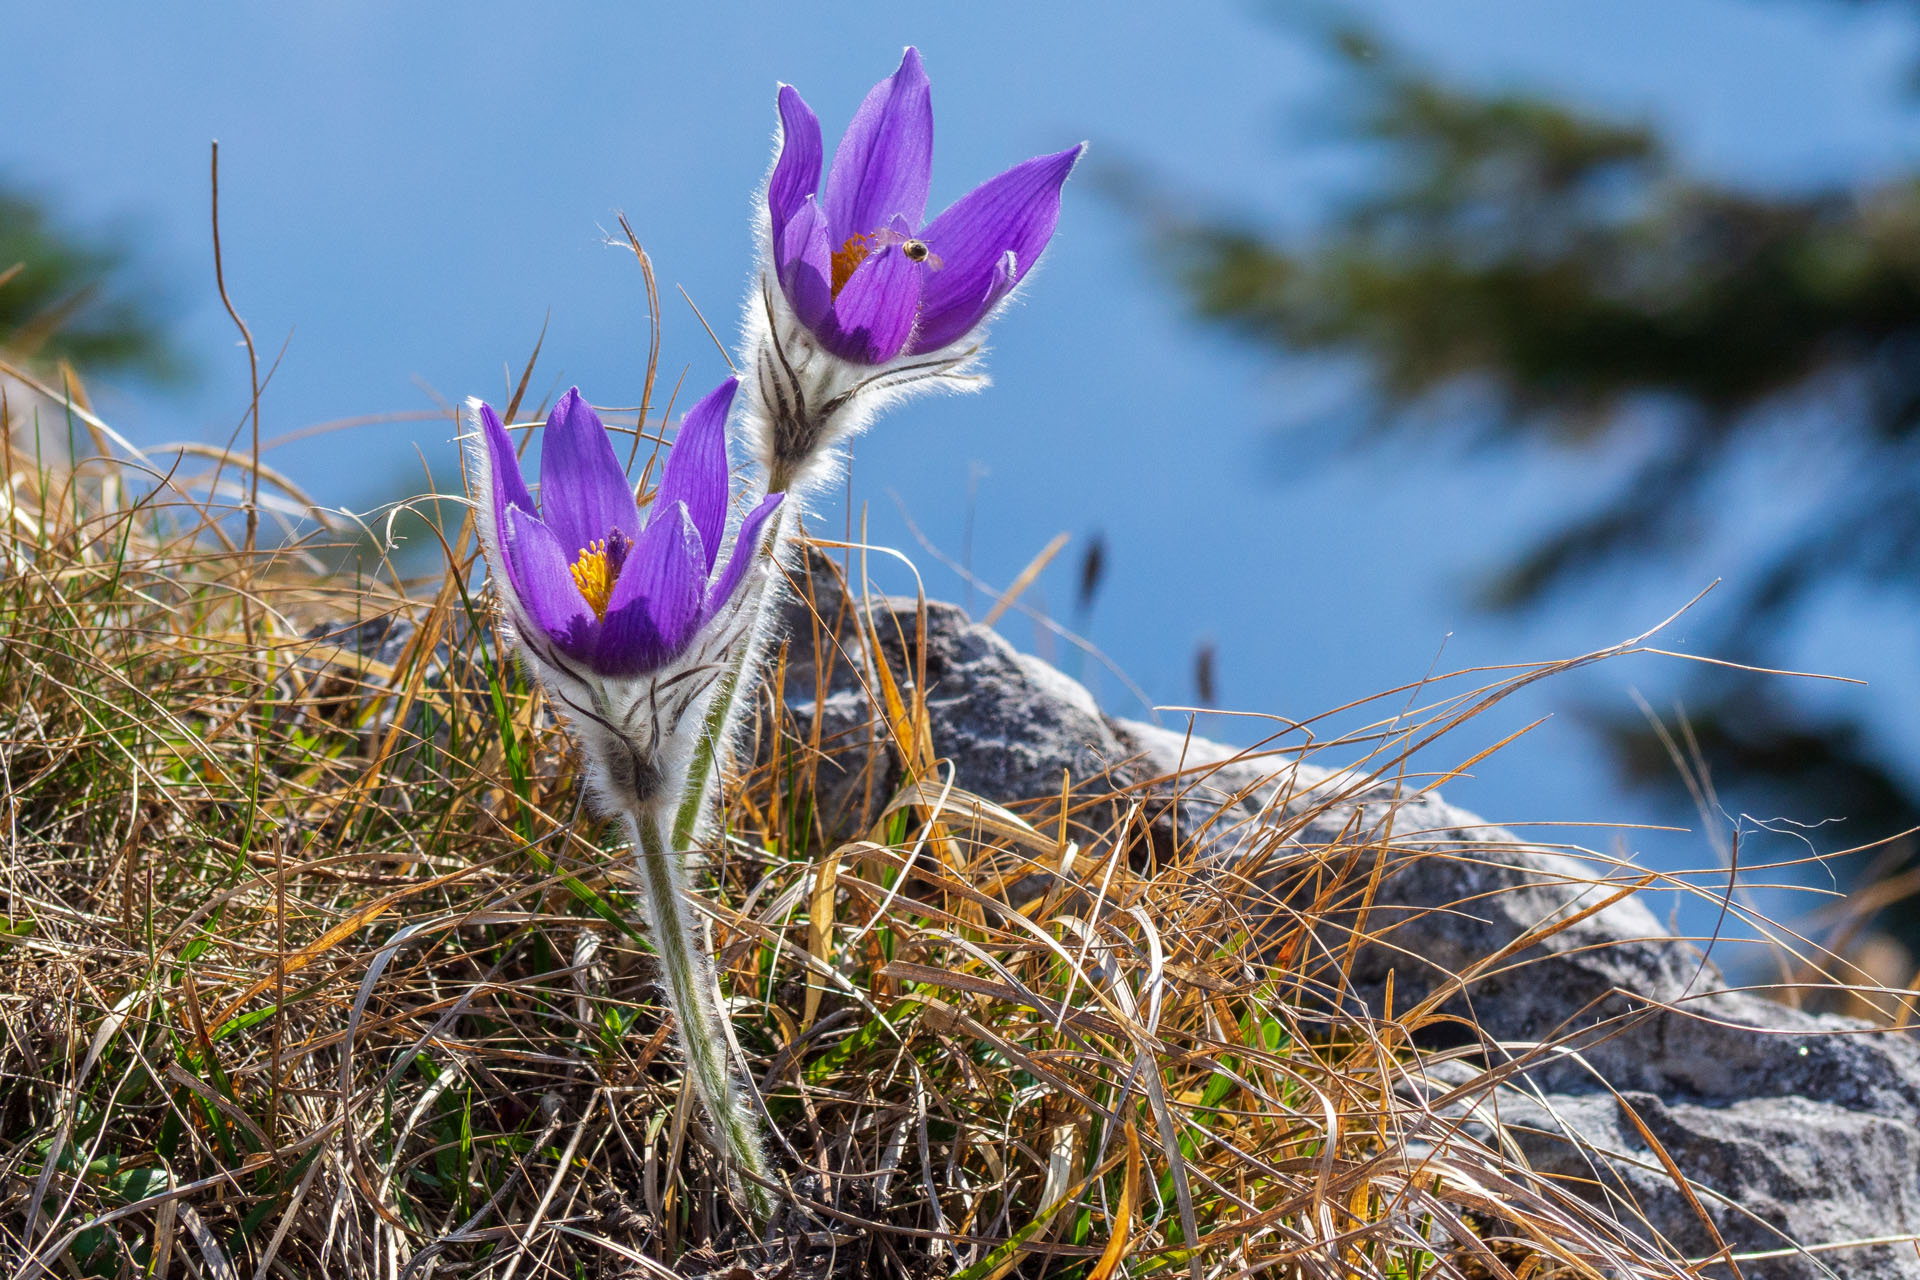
{"x": 312, "y": 965}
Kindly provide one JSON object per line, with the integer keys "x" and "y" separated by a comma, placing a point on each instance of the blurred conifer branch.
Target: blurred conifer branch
{"x": 1523, "y": 271}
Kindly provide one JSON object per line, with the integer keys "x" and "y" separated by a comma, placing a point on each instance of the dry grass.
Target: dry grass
{"x": 313, "y": 966}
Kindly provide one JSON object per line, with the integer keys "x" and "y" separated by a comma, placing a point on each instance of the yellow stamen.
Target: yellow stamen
{"x": 594, "y": 577}
{"x": 850, "y": 255}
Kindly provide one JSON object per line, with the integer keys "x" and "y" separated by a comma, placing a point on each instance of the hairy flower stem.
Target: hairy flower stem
{"x": 693, "y": 802}
{"x": 693, "y": 987}
{"x": 721, "y": 719}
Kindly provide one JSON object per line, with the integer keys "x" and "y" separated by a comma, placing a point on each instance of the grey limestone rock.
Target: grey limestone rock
{"x": 1805, "y": 1129}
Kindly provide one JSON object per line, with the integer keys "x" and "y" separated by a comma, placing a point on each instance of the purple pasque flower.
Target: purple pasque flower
{"x": 856, "y": 261}
{"x": 583, "y": 574}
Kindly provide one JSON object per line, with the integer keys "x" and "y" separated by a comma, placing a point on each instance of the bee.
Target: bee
{"x": 913, "y": 250}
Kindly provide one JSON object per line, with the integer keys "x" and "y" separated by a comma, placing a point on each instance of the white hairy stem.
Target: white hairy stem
{"x": 734, "y": 689}
{"x": 693, "y": 991}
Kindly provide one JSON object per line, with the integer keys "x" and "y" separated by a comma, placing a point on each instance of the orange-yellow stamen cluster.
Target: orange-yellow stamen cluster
{"x": 847, "y": 257}
{"x": 594, "y": 576}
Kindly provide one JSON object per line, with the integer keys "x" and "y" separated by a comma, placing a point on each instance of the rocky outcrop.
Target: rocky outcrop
{"x": 1801, "y": 1131}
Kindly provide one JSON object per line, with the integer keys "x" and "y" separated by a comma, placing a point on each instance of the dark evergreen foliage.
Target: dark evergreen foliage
{"x": 1578, "y": 282}
{"x": 57, "y": 301}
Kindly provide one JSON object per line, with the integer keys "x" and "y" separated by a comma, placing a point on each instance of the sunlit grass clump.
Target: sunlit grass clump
{"x": 314, "y": 964}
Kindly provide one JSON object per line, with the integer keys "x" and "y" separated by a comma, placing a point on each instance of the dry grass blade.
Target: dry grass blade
{"x": 1121, "y": 1222}
{"x": 1035, "y": 567}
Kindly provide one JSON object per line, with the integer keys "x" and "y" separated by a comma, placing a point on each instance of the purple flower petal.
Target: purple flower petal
{"x": 746, "y": 545}
{"x": 696, "y": 472}
{"x": 583, "y": 490}
{"x": 543, "y": 583}
{"x": 796, "y": 174}
{"x": 874, "y": 313}
{"x": 503, "y": 466}
{"x": 1015, "y": 212}
{"x": 656, "y": 603}
{"x": 803, "y": 259}
{"x": 884, "y": 163}
{"x": 958, "y": 316}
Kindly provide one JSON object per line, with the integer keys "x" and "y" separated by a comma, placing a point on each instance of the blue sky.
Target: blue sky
{"x": 409, "y": 189}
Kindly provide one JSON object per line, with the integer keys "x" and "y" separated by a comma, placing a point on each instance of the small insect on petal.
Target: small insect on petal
{"x": 912, "y": 248}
